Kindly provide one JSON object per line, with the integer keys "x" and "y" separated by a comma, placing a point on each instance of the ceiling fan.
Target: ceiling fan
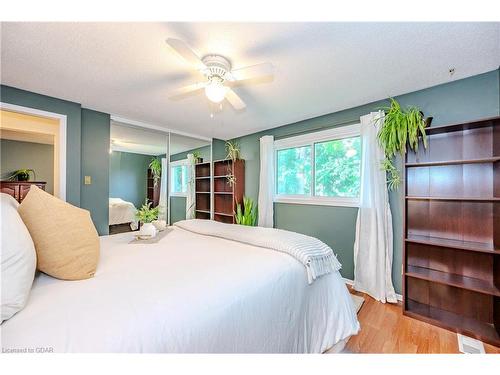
{"x": 218, "y": 75}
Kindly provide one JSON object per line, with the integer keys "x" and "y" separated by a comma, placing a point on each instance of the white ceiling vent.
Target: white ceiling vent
{"x": 469, "y": 345}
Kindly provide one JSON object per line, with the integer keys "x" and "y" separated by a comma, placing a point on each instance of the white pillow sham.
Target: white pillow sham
{"x": 18, "y": 258}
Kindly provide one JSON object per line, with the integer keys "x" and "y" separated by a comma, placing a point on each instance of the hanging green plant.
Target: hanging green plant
{"x": 400, "y": 128}
{"x": 155, "y": 166}
{"x": 232, "y": 150}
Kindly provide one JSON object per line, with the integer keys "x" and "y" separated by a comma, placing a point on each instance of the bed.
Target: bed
{"x": 122, "y": 212}
{"x": 188, "y": 293}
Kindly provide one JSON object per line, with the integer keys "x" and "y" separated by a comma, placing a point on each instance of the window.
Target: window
{"x": 178, "y": 178}
{"x": 319, "y": 168}
{"x": 294, "y": 170}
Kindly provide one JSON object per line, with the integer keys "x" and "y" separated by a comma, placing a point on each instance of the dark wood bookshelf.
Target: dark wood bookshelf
{"x": 203, "y": 190}
{"x": 488, "y": 122}
{"x": 227, "y": 195}
{"x": 454, "y": 322}
{"x": 454, "y": 162}
{"x": 455, "y": 198}
{"x": 452, "y": 279}
{"x": 223, "y": 214}
{"x": 453, "y": 244}
{"x": 451, "y": 257}
{"x": 153, "y": 191}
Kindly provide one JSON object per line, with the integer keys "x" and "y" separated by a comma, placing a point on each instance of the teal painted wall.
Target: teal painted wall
{"x": 37, "y": 156}
{"x": 72, "y": 110}
{"x": 218, "y": 149}
{"x": 178, "y": 204}
{"x": 95, "y": 163}
{"x": 87, "y": 145}
{"x": 177, "y": 209}
{"x": 128, "y": 176}
{"x": 461, "y": 100}
{"x": 204, "y": 152}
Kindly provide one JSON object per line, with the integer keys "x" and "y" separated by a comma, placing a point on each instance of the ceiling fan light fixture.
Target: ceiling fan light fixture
{"x": 215, "y": 91}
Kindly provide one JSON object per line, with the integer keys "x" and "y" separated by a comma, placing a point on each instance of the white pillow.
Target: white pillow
{"x": 18, "y": 257}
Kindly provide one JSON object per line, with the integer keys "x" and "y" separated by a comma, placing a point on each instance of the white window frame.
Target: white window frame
{"x": 310, "y": 139}
{"x": 173, "y": 164}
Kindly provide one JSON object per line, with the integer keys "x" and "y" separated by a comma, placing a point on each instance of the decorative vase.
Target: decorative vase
{"x": 148, "y": 229}
{"x": 160, "y": 225}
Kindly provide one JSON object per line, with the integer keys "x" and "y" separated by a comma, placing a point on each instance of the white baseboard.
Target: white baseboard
{"x": 399, "y": 297}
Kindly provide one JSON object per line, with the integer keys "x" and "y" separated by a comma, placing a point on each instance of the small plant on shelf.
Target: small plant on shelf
{"x": 399, "y": 129}
{"x": 147, "y": 214}
{"x": 22, "y": 175}
{"x": 247, "y": 215}
{"x": 197, "y": 157}
{"x": 232, "y": 150}
{"x": 155, "y": 166}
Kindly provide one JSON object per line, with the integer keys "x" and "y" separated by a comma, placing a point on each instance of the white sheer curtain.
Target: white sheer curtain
{"x": 162, "y": 214}
{"x": 266, "y": 178}
{"x": 373, "y": 245}
{"x": 191, "y": 187}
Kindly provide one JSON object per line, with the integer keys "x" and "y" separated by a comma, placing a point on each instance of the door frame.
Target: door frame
{"x": 62, "y": 119}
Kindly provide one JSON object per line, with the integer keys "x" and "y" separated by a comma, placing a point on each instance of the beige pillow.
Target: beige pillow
{"x": 66, "y": 241}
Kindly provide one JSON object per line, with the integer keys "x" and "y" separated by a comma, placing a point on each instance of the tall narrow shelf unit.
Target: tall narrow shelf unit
{"x": 452, "y": 230}
{"x": 227, "y": 195}
{"x": 153, "y": 191}
{"x": 203, "y": 190}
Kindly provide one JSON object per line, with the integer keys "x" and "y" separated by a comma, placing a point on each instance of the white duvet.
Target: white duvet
{"x": 187, "y": 293}
{"x": 122, "y": 212}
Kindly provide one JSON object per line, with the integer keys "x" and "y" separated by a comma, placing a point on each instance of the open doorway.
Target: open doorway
{"x": 32, "y": 144}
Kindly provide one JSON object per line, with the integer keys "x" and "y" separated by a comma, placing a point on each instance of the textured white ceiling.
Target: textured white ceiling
{"x": 13, "y": 135}
{"x": 126, "y": 69}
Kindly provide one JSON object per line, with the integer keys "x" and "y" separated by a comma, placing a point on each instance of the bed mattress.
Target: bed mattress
{"x": 188, "y": 293}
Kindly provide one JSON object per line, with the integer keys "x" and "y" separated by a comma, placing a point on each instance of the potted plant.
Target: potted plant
{"x": 22, "y": 175}
{"x": 155, "y": 166}
{"x": 232, "y": 150}
{"x": 247, "y": 216}
{"x": 400, "y": 128}
{"x": 232, "y": 153}
{"x": 146, "y": 215}
{"x": 197, "y": 157}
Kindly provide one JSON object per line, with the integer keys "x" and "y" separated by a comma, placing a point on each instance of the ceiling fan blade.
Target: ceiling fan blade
{"x": 187, "y": 89}
{"x": 253, "y": 71}
{"x": 186, "y": 53}
{"x": 235, "y": 100}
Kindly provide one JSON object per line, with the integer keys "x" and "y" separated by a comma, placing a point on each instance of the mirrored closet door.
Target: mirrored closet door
{"x": 138, "y": 172}
{"x": 190, "y": 178}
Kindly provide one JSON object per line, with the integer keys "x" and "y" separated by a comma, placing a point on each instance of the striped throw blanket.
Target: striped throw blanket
{"x": 317, "y": 257}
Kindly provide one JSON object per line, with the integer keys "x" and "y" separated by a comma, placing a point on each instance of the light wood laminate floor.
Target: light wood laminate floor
{"x": 384, "y": 329}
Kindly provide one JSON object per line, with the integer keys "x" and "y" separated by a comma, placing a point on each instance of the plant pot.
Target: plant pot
{"x": 160, "y": 225}
{"x": 23, "y": 177}
{"x": 199, "y": 160}
{"x": 427, "y": 120}
{"x": 148, "y": 229}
